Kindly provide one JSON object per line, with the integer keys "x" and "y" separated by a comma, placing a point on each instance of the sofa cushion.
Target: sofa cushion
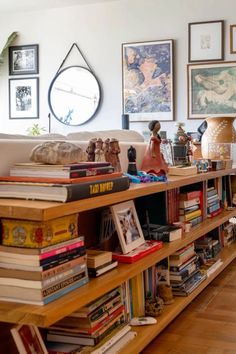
{"x": 119, "y": 134}
{"x": 49, "y": 136}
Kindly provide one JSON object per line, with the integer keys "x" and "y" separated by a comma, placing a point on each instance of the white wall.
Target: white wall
{"x": 99, "y": 30}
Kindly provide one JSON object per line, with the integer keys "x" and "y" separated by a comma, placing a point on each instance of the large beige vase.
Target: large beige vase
{"x": 217, "y": 139}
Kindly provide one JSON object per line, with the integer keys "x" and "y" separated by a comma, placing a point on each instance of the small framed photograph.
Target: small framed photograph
{"x": 28, "y": 339}
{"x": 24, "y": 98}
{"x": 232, "y": 39}
{"x": 127, "y": 226}
{"x": 206, "y": 41}
{"x": 148, "y": 80}
{"x": 24, "y": 60}
{"x": 211, "y": 90}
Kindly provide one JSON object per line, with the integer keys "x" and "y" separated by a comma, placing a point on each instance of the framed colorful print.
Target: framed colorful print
{"x": 28, "y": 339}
{"x": 24, "y": 60}
{"x": 211, "y": 90}
{"x": 206, "y": 41}
{"x": 232, "y": 39}
{"x": 147, "y": 80}
{"x": 127, "y": 226}
{"x": 24, "y": 98}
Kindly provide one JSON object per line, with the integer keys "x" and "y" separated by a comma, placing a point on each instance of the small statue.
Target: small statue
{"x": 91, "y": 150}
{"x": 99, "y": 152}
{"x": 182, "y": 148}
{"x": 131, "y": 153}
{"x": 153, "y": 161}
{"x": 114, "y": 150}
{"x": 106, "y": 149}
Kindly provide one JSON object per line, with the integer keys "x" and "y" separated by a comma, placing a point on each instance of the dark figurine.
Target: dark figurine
{"x": 131, "y": 153}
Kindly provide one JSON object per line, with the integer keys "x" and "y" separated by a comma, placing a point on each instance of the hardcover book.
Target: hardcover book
{"x": 62, "y": 192}
{"x": 182, "y": 170}
{"x": 98, "y": 257}
{"x": 94, "y": 273}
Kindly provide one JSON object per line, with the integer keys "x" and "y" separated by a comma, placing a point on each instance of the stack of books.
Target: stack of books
{"x": 228, "y": 233}
{"x": 213, "y": 202}
{"x": 62, "y": 183}
{"x": 93, "y": 323}
{"x": 164, "y": 233}
{"x": 185, "y": 275}
{"x": 207, "y": 247}
{"x": 99, "y": 262}
{"x": 36, "y": 270}
{"x": 190, "y": 209}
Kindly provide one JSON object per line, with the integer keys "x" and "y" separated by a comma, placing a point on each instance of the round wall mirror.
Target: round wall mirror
{"x": 74, "y": 95}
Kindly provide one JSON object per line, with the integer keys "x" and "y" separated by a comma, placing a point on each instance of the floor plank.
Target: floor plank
{"x": 207, "y": 325}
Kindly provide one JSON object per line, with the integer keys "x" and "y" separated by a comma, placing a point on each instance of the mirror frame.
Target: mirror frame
{"x": 50, "y": 89}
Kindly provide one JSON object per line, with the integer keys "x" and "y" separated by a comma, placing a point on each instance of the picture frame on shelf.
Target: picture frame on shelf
{"x": 127, "y": 225}
{"x": 206, "y": 41}
{"x": 148, "y": 80}
{"x": 211, "y": 89}
{"x": 24, "y": 98}
{"x": 28, "y": 339}
{"x": 233, "y": 39}
{"x": 24, "y": 59}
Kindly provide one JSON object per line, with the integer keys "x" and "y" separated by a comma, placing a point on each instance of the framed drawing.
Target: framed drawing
{"x": 24, "y": 60}
{"x": 24, "y": 98}
{"x": 28, "y": 339}
{"x": 147, "y": 80}
{"x": 206, "y": 41}
{"x": 232, "y": 39}
{"x": 211, "y": 90}
{"x": 127, "y": 226}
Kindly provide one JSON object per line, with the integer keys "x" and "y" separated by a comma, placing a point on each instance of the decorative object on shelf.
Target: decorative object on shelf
{"x": 9, "y": 41}
{"x": 127, "y": 226}
{"x": 24, "y": 59}
{"x": 165, "y": 293}
{"x": 132, "y": 168}
{"x": 206, "y": 41}
{"x": 99, "y": 150}
{"x": 219, "y": 130}
{"x": 147, "y": 79}
{"x": 74, "y": 95}
{"x": 181, "y": 146}
{"x": 232, "y": 39}
{"x": 113, "y": 154}
{"x": 56, "y": 153}
{"x": 125, "y": 121}
{"x": 154, "y": 307}
{"x": 211, "y": 90}
{"x": 91, "y": 150}
{"x": 24, "y": 98}
{"x": 153, "y": 160}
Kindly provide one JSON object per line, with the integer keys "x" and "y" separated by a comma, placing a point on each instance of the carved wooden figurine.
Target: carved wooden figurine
{"x": 114, "y": 150}
{"x": 99, "y": 150}
{"x": 91, "y": 150}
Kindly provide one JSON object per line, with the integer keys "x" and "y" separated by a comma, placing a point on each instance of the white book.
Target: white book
{"x": 128, "y": 337}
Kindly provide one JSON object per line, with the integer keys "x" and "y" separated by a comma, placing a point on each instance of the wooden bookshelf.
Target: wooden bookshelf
{"x": 44, "y": 316}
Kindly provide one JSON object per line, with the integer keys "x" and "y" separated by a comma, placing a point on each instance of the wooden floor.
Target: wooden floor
{"x": 207, "y": 325}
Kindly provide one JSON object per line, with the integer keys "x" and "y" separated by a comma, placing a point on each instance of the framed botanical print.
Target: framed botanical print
{"x": 24, "y": 60}
{"x": 147, "y": 80}
{"x": 211, "y": 90}
{"x": 206, "y": 41}
{"x": 24, "y": 98}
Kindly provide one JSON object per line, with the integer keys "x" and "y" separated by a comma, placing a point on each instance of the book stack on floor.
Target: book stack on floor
{"x": 98, "y": 326}
{"x": 41, "y": 261}
{"x": 99, "y": 262}
{"x": 213, "y": 202}
{"x": 185, "y": 275}
{"x": 62, "y": 183}
{"x": 190, "y": 209}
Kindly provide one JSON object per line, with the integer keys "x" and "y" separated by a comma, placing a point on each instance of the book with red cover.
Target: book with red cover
{"x": 190, "y": 195}
{"x": 146, "y": 248}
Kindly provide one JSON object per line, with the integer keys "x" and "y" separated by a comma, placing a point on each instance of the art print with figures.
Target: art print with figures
{"x": 211, "y": 90}
{"x": 147, "y": 79}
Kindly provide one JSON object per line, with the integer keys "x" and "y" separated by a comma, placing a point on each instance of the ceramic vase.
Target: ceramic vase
{"x": 217, "y": 138}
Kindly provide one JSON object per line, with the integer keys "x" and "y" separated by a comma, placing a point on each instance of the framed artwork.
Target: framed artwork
{"x": 24, "y": 98}
{"x": 147, "y": 80}
{"x": 206, "y": 41}
{"x": 127, "y": 226}
{"x": 232, "y": 39}
{"x": 24, "y": 60}
{"x": 28, "y": 339}
{"x": 211, "y": 90}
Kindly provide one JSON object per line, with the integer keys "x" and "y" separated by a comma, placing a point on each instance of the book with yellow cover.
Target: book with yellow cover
{"x": 38, "y": 234}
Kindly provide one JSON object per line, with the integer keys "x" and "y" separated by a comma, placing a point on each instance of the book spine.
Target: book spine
{"x": 63, "y": 267}
{"x": 61, "y": 250}
{"x": 70, "y": 253}
{"x": 91, "y": 172}
{"x": 214, "y": 213}
{"x": 95, "y": 188}
{"x": 60, "y": 277}
{"x": 213, "y": 207}
{"x": 60, "y": 244}
{"x": 59, "y": 261}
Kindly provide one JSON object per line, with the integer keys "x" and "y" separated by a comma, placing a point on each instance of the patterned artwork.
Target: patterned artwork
{"x": 212, "y": 90}
{"x": 148, "y": 80}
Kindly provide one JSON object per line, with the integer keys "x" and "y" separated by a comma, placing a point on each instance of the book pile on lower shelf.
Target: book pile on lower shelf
{"x": 41, "y": 261}
{"x": 41, "y": 181}
{"x": 228, "y": 231}
{"x": 190, "y": 209}
{"x": 185, "y": 275}
{"x": 99, "y": 262}
{"x": 98, "y": 326}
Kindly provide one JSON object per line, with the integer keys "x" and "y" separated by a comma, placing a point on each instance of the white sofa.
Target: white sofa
{"x": 17, "y": 148}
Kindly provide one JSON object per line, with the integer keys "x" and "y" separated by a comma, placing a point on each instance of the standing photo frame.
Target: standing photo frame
{"x": 148, "y": 80}
{"x": 24, "y": 98}
{"x": 24, "y": 60}
{"x": 206, "y": 41}
{"x": 127, "y": 226}
{"x": 211, "y": 90}
{"x": 232, "y": 39}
